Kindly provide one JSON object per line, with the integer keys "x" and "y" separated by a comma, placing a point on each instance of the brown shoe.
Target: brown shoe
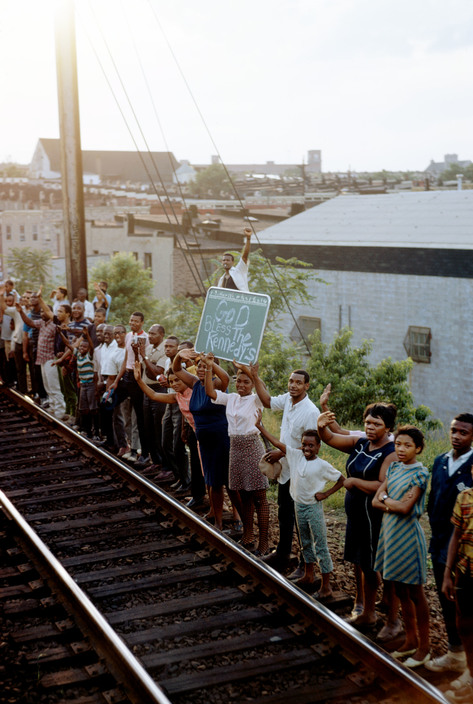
{"x": 278, "y": 562}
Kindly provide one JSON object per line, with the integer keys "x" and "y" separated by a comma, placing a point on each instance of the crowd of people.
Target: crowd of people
{"x": 151, "y": 399}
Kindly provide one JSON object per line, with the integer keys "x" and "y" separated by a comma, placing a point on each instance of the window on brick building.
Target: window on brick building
{"x": 148, "y": 260}
{"x": 22, "y": 233}
{"x": 35, "y": 232}
{"x": 306, "y": 325}
{"x": 417, "y": 343}
{"x": 8, "y": 232}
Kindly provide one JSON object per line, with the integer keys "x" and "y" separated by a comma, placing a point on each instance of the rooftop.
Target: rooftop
{"x": 427, "y": 219}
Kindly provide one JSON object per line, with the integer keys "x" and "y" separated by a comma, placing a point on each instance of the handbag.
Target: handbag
{"x": 272, "y": 471}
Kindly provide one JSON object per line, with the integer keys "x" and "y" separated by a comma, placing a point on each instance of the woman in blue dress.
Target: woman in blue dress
{"x": 366, "y": 466}
{"x": 402, "y": 550}
{"x": 211, "y": 429}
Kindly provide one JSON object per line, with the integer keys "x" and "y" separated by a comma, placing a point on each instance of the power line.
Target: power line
{"x": 197, "y": 279}
{"x": 227, "y": 173}
{"x": 161, "y": 129}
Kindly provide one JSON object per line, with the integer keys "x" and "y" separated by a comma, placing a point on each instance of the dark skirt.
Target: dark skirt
{"x": 245, "y": 454}
{"x": 214, "y": 448}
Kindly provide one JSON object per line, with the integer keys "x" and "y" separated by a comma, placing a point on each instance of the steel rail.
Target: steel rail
{"x": 357, "y": 646}
{"x": 140, "y": 687}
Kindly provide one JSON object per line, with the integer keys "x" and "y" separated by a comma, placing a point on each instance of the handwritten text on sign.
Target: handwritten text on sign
{"x": 232, "y": 324}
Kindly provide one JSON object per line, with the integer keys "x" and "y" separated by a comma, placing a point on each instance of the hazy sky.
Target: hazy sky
{"x": 372, "y": 83}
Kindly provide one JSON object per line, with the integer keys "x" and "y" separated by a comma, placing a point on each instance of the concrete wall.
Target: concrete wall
{"x": 382, "y": 307}
{"x": 105, "y": 240}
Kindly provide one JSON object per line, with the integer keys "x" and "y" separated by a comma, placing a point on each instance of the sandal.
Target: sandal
{"x": 237, "y": 526}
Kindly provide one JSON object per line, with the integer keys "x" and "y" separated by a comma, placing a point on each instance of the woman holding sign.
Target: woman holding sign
{"x": 211, "y": 429}
{"x": 246, "y": 450}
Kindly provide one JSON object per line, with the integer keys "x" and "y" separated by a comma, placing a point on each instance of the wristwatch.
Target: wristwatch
{"x": 384, "y": 497}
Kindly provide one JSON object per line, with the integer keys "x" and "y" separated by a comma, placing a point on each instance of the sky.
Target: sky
{"x": 374, "y": 84}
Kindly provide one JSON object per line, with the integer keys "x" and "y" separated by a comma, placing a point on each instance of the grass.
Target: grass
{"x": 436, "y": 443}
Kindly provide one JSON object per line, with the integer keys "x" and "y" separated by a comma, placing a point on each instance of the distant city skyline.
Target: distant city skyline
{"x": 372, "y": 85}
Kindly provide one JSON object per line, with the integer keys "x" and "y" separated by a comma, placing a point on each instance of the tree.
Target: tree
{"x": 277, "y": 359}
{"x": 129, "y": 284}
{"x": 355, "y": 383}
{"x": 212, "y": 182}
{"x": 453, "y": 170}
{"x": 31, "y": 268}
{"x": 180, "y": 316}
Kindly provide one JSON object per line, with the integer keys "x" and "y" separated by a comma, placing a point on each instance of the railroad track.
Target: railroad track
{"x": 167, "y": 608}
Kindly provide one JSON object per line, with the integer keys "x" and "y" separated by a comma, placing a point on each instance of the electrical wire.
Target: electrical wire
{"x": 227, "y": 173}
{"x": 186, "y": 251}
{"x": 150, "y": 95}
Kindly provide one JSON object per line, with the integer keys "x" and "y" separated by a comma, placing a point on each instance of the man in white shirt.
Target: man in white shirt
{"x": 88, "y": 306}
{"x": 236, "y": 277}
{"x": 154, "y": 360}
{"x": 299, "y": 414}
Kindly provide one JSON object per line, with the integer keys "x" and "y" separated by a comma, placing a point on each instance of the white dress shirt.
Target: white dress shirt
{"x": 296, "y": 418}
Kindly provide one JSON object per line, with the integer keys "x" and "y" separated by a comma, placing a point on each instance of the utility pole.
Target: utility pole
{"x": 71, "y": 154}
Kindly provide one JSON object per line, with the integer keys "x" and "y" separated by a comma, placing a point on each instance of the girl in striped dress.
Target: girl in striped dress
{"x": 402, "y": 551}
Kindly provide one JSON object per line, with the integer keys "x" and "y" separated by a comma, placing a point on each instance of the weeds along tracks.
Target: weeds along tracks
{"x": 205, "y": 620}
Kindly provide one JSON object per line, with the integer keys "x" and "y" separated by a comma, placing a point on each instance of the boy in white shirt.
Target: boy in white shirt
{"x": 309, "y": 475}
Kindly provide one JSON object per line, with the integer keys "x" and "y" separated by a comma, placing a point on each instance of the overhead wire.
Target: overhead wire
{"x": 227, "y": 173}
{"x": 186, "y": 252}
{"x": 168, "y": 151}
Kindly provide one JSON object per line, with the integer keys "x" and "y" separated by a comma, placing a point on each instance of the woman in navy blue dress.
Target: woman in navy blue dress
{"x": 211, "y": 429}
{"x": 366, "y": 466}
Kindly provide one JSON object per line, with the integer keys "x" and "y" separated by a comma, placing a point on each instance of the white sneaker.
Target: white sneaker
{"x": 462, "y": 695}
{"x": 464, "y": 678}
{"x": 453, "y": 662}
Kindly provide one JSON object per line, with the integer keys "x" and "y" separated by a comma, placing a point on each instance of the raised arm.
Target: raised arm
{"x": 223, "y": 379}
{"x": 323, "y": 405}
{"x": 188, "y": 379}
{"x": 101, "y": 298}
{"x": 209, "y": 385}
{"x": 246, "y": 248}
{"x": 153, "y": 395}
{"x": 260, "y": 386}
{"x": 345, "y": 443}
{"x": 86, "y": 334}
{"x": 46, "y": 309}
{"x": 269, "y": 436}
{"x": 24, "y": 317}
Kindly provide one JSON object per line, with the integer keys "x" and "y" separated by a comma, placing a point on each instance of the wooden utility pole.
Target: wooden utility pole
{"x": 71, "y": 154}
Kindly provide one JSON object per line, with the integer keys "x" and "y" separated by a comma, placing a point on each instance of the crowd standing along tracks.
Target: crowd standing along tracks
{"x": 161, "y": 607}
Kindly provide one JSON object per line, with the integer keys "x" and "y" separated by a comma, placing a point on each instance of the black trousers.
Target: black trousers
{"x": 153, "y": 418}
{"x": 128, "y": 388}
{"x": 174, "y": 449}
{"x": 449, "y": 609}
{"x": 197, "y": 476}
{"x": 20, "y": 364}
{"x": 287, "y": 521}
